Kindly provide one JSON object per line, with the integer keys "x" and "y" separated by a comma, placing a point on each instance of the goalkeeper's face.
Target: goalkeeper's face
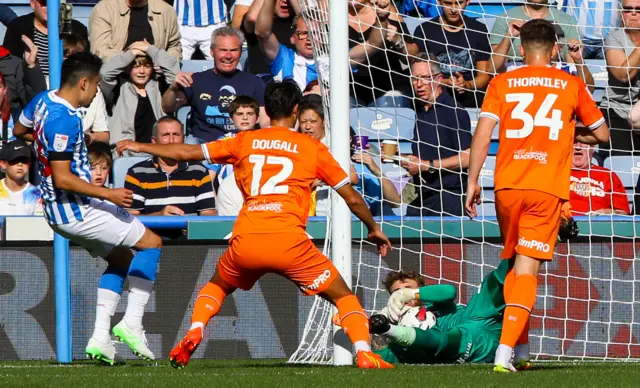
{"x": 405, "y": 283}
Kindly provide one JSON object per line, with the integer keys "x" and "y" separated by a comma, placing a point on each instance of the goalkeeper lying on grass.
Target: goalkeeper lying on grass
{"x": 461, "y": 333}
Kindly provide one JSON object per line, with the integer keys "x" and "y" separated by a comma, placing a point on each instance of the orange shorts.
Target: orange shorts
{"x": 292, "y": 256}
{"x": 529, "y": 221}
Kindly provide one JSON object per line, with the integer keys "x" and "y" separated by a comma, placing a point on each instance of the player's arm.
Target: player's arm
{"x": 267, "y": 39}
{"x": 23, "y": 132}
{"x": 436, "y": 294}
{"x": 358, "y": 206}
{"x": 478, "y": 154}
{"x": 180, "y": 152}
{"x": 595, "y": 129}
{"x": 64, "y": 179}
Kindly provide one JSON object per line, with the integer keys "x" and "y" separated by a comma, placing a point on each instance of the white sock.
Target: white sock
{"x": 197, "y": 325}
{"x": 361, "y": 346}
{"x": 139, "y": 293}
{"x": 105, "y": 309}
{"x": 503, "y": 355}
{"x": 521, "y": 352}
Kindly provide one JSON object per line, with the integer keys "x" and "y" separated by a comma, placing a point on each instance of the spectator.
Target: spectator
{"x": 462, "y": 47}
{"x": 94, "y": 117}
{"x": 101, "y": 161}
{"x": 595, "y": 20}
{"x": 197, "y": 20}
{"x": 165, "y": 187}
{"x": 139, "y": 104}
{"x": 6, "y": 121}
{"x": 296, "y": 64}
{"x": 34, "y": 27}
{"x": 244, "y": 114}
{"x": 210, "y": 92}
{"x": 595, "y": 189}
{"x": 6, "y": 15}
{"x": 282, "y": 28}
{"x": 18, "y": 197}
{"x": 441, "y": 151}
{"x": 420, "y": 8}
{"x": 23, "y": 78}
{"x": 366, "y": 176}
{"x": 505, "y": 34}
{"x": 623, "y": 64}
{"x": 313, "y": 87}
{"x": 116, "y": 24}
{"x": 380, "y": 45}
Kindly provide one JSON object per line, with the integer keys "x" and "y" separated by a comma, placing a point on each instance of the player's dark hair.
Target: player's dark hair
{"x": 538, "y": 33}
{"x": 243, "y": 101}
{"x": 312, "y": 102}
{"x": 99, "y": 152}
{"x": 395, "y": 276}
{"x": 78, "y": 66}
{"x": 280, "y": 99}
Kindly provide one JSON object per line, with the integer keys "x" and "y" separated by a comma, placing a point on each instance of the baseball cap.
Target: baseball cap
{"x": 14, "y": 150}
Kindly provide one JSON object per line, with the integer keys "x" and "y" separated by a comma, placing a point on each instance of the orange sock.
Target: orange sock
{"x": 519, "y": 306}
{"x": 354, "y": 320}
{"x": 524, "y": 337}
{"x": 509, "y": 281}
{"x": 207, "y": 304}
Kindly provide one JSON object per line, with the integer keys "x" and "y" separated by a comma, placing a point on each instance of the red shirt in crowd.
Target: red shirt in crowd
{"x": 595, "y": 189}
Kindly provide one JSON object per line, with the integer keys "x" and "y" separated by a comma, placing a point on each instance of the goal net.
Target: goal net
{"x": 588, "y": 296}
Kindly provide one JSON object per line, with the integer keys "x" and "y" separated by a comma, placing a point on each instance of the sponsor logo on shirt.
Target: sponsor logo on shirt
{"x": 60, "y": 142}
{"x": 326, "y": 275}
{"x": 530, "y": 154}
{"x": 255, "y": 206}
{"x": 534, "y": 244}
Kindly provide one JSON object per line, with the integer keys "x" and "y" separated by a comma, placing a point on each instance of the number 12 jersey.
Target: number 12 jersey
{"x": 274, "y": 169}
{"x": 536, "y": 108}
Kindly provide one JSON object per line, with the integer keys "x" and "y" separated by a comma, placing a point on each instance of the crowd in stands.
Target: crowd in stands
{"x": 440, "y": 70}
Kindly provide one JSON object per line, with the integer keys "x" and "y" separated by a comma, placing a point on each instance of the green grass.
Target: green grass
{"x": 277, "y": 374}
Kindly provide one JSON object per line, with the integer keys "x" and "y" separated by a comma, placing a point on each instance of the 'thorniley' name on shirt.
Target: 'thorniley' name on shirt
{"x": 546, "y": 82}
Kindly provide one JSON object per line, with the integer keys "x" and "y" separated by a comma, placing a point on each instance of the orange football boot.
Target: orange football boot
{"x": 370, "y": 360}
{"x": 181, "y": 354}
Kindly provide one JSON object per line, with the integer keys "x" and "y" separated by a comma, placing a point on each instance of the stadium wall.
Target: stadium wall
{"x": 587, "y": 296}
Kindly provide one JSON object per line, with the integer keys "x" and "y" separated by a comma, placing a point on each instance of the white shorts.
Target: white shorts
{"x": 104, "y": 227}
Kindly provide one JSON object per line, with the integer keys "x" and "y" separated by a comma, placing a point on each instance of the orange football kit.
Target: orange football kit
{"x": 536, "y": 108}
{"x": 274, "y": 170}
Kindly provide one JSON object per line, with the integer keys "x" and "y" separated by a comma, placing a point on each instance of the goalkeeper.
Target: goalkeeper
{"x": 461, "y": 334}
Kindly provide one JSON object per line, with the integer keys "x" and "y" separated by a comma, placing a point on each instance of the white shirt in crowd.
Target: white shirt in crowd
{"x": 229, "y": 200}
{"x": 94, "y": 118}
{"x": 26, "y": 202}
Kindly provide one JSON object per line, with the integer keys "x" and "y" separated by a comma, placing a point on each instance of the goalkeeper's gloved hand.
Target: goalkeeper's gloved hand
{"x": 379, "y": 324}
{"x": 398, "y": 299}
{"x": 568, "y": 226}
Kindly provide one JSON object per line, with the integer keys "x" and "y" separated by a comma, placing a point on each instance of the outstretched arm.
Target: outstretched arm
{"x": 267, "y": 39}
{"x": 180, "y": 152}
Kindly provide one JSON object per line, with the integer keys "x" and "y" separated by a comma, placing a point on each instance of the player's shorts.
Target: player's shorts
{"x": 292, "y": 256}
{"x": 104, "y": 227}
{"x": 529, "y": 221}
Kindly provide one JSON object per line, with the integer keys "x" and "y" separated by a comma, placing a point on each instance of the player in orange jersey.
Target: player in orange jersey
{"x": 536, "y": 106}
{"x": 274, "y": 169}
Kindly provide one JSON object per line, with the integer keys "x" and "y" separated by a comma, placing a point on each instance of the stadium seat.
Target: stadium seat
{"x": 195, "y": 66}
{"x": 473, "y": 115}
{"x": 121, "y": 166}
{"x": 383, "y": 123}
{"x": 183, "y": 115}
{"x": 627, "y": 168}
{"x": 413, "y": 23}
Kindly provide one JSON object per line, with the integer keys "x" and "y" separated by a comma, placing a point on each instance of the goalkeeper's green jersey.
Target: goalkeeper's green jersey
{"x": 461, "y": 334}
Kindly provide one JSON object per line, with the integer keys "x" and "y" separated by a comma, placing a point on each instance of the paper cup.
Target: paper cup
{"x": 359, "y": 143}
{"x": 389, "y": 150}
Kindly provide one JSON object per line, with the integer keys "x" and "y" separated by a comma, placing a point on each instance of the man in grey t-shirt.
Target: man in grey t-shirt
{"x": 504, "y": 41}
{"x": 623, "y": 64}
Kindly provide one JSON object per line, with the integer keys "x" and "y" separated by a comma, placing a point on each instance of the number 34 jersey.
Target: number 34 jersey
{"x": 274, "y": 169}
{"x": 536, "y": 108}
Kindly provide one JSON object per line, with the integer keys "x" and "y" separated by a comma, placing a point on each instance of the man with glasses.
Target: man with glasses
{"x": 286, "y": 63}
{"x": 623, "y": 64}
{"x": 441, "y": 148}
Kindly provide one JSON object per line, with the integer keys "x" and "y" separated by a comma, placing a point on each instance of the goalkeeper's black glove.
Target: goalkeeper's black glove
{"x": 568, "y": 226}
{"x": 379, "y": 324}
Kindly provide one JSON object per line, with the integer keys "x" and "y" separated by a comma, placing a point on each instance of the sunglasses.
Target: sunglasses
{"x": 631, "y": 9}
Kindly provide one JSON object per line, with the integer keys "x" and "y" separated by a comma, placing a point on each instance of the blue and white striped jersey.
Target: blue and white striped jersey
{"x": 289, "y": 65}
{"x": 200, "y": 13}
{"x": 57, "y": 128}
{"x": 596, "y": 18}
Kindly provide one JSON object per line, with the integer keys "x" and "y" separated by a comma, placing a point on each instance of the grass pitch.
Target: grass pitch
{"x": 278, "y": 374}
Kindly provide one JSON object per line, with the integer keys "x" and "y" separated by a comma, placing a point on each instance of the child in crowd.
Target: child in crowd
{"x": 101, "y": 161}
{"x": 244, "y": 111}
{"x": 18, "y": 197}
